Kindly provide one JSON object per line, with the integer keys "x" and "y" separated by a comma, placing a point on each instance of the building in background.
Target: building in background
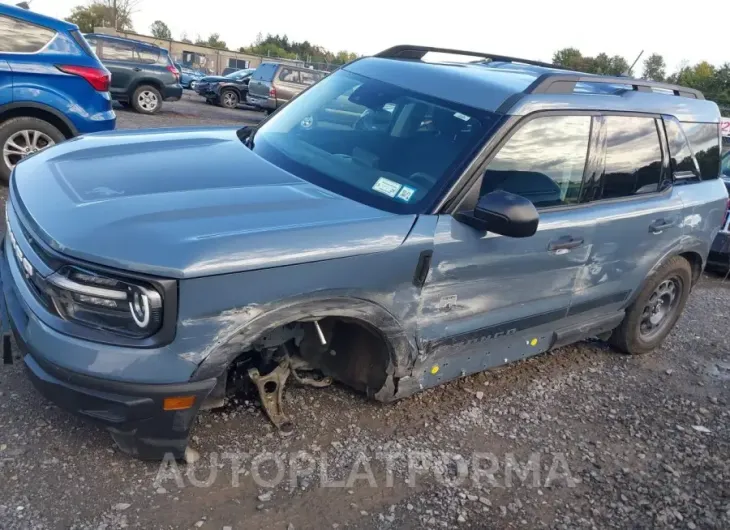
{"x": 212, "y": 61}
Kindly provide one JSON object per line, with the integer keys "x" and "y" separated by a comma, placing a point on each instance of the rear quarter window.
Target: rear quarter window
{"x": 148, "y": 55}
{"x": 82, "y": 42}
{"x": 704, "y": 139}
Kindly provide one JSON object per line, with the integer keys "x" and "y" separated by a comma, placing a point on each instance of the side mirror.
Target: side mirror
{"x": 503, "y": 213}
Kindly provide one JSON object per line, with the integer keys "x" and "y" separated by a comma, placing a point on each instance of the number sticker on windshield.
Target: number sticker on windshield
{"x": 386, "y": 187}
{"x": 406, "y": 193}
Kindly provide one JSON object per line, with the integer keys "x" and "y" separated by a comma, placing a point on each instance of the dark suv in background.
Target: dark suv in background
{"x": 143, "y": 75}
{"x": 227, "y": 91}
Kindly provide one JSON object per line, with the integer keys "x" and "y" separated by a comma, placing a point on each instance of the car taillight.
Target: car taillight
{"x": 99, "y": 78}
{"x": 174, "y": 71}
{"x": 272, "y": 92}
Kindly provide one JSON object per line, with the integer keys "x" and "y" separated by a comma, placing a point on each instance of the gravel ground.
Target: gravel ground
{"x": 581, "y": 437}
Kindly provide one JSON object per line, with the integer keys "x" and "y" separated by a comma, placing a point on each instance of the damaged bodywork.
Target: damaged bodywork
{"x": 382, "y": 230}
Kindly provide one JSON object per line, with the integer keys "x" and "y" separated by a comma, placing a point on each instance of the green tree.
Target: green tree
{"x": 569, "y": 58}
{"x": 104, "y": 13}
{"x": 213, "y": 41}
{"x": 655, "y": 69}
{"x": 160, "y": 30}
{"x": 184, "y": 38}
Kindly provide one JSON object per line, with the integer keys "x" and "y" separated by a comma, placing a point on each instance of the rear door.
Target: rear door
{"x": 6, "y": 81}
{"x": 119, "y": 58}
{"x": 490, "y": 299}
{"x": 637, "y": 210}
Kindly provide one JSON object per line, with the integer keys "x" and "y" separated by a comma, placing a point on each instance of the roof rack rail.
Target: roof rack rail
{"x": 407, "y": 51}
{"x": 559, "y": 83}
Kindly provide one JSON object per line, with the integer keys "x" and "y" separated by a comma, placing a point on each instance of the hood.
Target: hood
{"x": 184, "y": 203}
{"x": 213, "y": 78}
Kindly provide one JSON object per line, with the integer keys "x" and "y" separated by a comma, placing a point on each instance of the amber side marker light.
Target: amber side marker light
{"x": 178, "y": 403}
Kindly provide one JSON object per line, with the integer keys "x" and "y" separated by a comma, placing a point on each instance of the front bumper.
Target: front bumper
{"x": 132, "y": 412}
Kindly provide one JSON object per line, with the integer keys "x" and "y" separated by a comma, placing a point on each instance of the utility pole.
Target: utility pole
{"x": 114, "y": 9}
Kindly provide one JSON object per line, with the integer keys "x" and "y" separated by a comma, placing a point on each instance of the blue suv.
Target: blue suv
{"x": 52, "y": 86}
{"x": 400, "y": 224}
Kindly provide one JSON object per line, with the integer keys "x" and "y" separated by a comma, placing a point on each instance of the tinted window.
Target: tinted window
{"x": 704, "y": 138}
{"x": 680, "y": 154}
{"x": 117, "y": 51}
{"x": 309, "y": 78}
{"x": 725, "y": 166}
{"x": 21, "y": 37}
{"x": 265, "y": 72}
{"x": 373, "y": 142}
{"x": 148, "y": 55}
{"x": 543, "y": 161}
{"x": 633, "y": 157}
{"x": 289, "y": 75}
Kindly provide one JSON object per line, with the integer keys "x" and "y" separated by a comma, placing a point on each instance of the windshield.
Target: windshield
{"x": 239, "y": 73}
{"x": 374, "y": 142}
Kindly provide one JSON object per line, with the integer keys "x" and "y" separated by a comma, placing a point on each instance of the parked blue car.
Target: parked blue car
{"x": 188, "y": 76}
{"x": 397, "y": 225}
{"x": 52, "y": 85}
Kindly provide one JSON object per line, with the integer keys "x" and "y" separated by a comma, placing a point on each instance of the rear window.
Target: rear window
{"x": 704, "y": 139}
{"x": 22, "y": 37}
{"x": 265, "y": 72}
{"x": 148, "y": 55}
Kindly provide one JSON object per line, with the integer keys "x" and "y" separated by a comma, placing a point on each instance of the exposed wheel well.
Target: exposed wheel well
{"x": 695, "y": 260}
{"x": 148, "y": 82}
{"x": 353, "y": 352}
{"x": 34, "y": 112}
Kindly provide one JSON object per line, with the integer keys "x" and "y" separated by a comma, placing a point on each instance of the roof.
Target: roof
{"x": 520, "y": 86}
{"x": 124, "y": 39}
{"x": 36, "y": 18}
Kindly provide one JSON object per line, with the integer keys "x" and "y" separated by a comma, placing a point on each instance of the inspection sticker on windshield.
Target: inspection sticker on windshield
{"x": 405, "y": 193}
{"x": 386, "y": 187}
{"x": 461, "y": 116}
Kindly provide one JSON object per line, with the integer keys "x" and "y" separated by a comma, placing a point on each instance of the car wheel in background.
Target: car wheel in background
{"x": 229, "y": 99}
{"x": 147, "y": 100}
{"x": 193, "y": 84}
{"x": 655, "y": 311}
{"x": 20, "y": 137}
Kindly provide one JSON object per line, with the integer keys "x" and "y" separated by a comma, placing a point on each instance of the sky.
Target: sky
{"x": 532, "y": 29}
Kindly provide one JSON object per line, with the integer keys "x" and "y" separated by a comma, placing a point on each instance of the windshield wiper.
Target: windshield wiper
{"x": 246, "y": 134}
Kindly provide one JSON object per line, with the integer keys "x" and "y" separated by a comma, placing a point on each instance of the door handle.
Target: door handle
{"x": 658, "y": 226}
{"x": 565, "y": 243}
{"x": 137, "y": 69}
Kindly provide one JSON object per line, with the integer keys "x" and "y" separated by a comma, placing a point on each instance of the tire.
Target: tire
{"x": 12, "y": 138}
{"x": 229, "y": 99}
{"x": 638, "y": 332}
{"x": 146, "y": 99}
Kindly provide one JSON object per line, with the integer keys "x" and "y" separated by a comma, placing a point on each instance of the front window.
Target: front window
{"x": 374, "y": 142}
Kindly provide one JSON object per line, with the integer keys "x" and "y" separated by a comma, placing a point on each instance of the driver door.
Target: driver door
{"x": 491, "y": 299}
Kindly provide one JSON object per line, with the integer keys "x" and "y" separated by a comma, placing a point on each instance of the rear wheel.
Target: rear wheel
{"x": 229, "y": 99}
{"x": 656, "y": 310}
{"x": 20, "y": 137}
{"x": 147, "y": 100}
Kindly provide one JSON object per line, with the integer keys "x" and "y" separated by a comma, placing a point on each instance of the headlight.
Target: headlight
{"x": 129, "y": 308}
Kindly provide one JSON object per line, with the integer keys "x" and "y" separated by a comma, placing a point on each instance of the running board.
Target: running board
{"x": 588, "y": 328}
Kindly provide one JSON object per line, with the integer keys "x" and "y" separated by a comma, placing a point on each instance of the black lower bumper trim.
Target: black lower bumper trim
{"x": 136, "y": 418}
